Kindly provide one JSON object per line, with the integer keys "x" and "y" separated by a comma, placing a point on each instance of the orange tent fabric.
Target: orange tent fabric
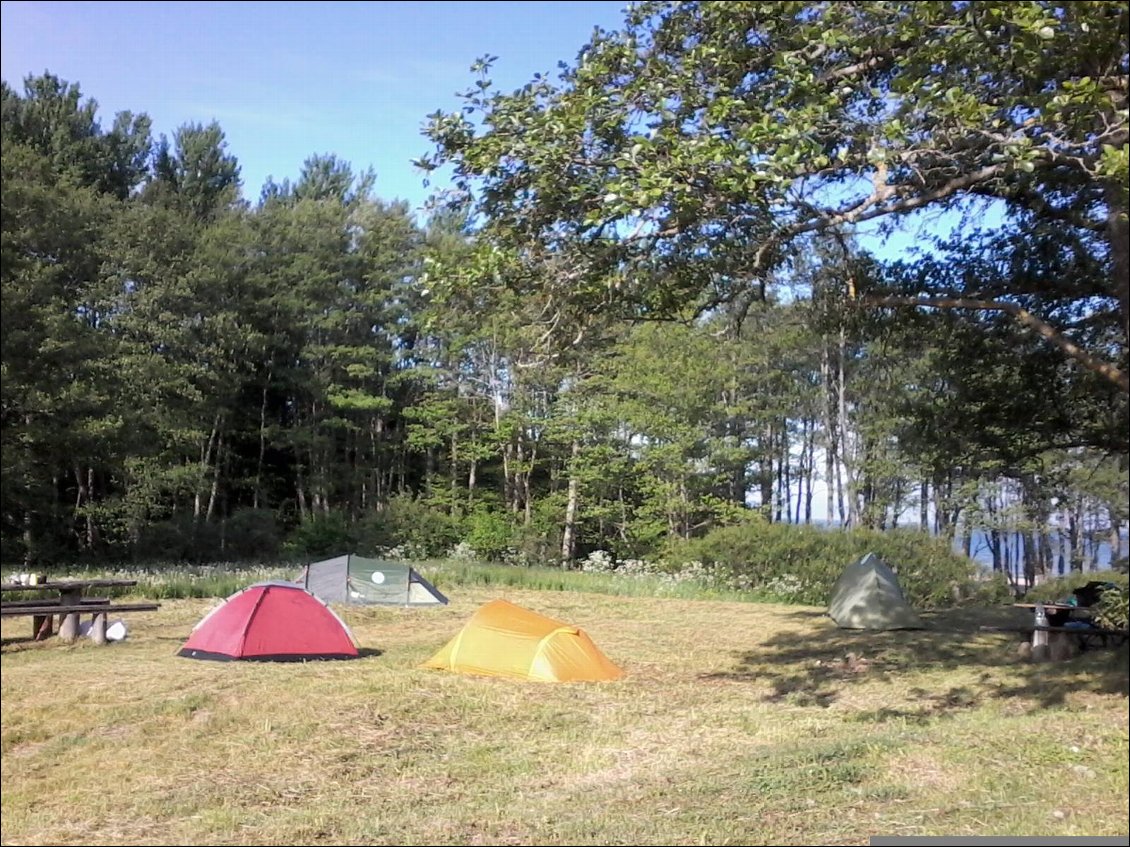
{"x": 502, "y": 639}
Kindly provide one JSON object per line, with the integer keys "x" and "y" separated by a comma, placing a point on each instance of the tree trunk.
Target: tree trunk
{"x": 623, "y": 527}
{"x": 1075, "y": 541}
{"x": 994, "y": 534}
{"x": 809, "y": 469}
{"x": 205, "y": 464}
{"x": 29, "y": 540}
{"x": 91, "y": 528}
{"x": 765, "y": 472}
{"x": 509, "y": 477}
{"x": 215, "y": 480}
{"x": 257, "y": 494}
{"x": 1044, "y": 567}
{"x": 520, "y": 485}
{"x": 800, "y": 472}
{"x": 568, "y": 533}
{"x": 847, "y": 456}
{"x": 527, "y": 473}
{"x": 1031, "y": 553}
{"x": 896, "y": 507}
{"x": 454, "y": 474}
{"x": 829, "y": 436}
{"x": 300, "y": 493}
{"x": 1118, "y": 235}
{"x": 81, "y": 496}
{"x": 430, "y": 465}
{"x": 782, "y": 497}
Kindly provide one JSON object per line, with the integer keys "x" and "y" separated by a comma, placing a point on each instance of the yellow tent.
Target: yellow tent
{"x": 502, "y": 639}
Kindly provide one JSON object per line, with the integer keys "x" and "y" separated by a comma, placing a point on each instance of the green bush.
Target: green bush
{"x": 537, "y": 546}
{"x": 759, "y": 555}
{"x": 1113, "y": 609}
{"x": 1060, "y": 588}
{"x": 179, "y": 539}
{"x": 247, "y": 534}
{"x": 490, "y": 535}
{"x": 251, "y": 534}
{"x": 321, "y": 535}
{"x": 538, "y": 543}
{"x": 991, "y": 589}
{"x": 408, "y": 522}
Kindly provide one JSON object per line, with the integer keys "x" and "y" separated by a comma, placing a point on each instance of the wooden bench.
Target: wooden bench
{"x": 1086, "y": 638}
{"x": 42, "y": 625}
{"x": 43, "y": 612}
{"x": 1089, "y": 636}
{"x": 48, "y": 601}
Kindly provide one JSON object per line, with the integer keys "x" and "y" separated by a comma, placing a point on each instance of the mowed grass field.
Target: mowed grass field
{"x": 737, "y": 723}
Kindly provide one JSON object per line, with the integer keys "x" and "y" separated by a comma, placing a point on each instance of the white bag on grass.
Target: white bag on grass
{"x": 117, "y": 631}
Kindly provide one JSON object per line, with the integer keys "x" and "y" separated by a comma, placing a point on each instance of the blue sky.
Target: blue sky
{"x": 286, "y": 80}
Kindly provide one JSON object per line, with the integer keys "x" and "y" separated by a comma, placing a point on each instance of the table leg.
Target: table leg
{"x": 1041, "y": 651}
{"x": 42, "y": 627}
{"x": 68, "y": 627}
{"x": 1060, "y": 646}
{"x": 98, "y": 628}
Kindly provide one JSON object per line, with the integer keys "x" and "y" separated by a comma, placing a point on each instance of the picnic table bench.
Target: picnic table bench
{"x": 68, "y": 603}
{"x": 1088, "y": 636}
{"x": 1065, "y": 623}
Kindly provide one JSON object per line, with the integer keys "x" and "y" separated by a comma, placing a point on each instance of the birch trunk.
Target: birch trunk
{"x": 568, "y": 533}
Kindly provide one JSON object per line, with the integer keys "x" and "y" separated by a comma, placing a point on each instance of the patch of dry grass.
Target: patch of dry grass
{"x": 736, "y": 723}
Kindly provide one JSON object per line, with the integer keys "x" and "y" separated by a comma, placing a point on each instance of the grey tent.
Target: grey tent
{"x": 868, "y": 596}
{"x": 354, "y": 579}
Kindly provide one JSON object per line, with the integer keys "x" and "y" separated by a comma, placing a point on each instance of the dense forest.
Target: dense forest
{"x": 640, "y": 316}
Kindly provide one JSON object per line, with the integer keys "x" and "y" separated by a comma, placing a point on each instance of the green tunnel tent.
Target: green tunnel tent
{"x": 868, "y": 596}
{"x": 355, "y": 579}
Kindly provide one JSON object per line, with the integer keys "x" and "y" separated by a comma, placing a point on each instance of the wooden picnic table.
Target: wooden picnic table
{"x": 1058, "y": 613}
{"x": 68, "y": 585}
{"x": 69, "y": 602}
{"x": 1066, "y": 621}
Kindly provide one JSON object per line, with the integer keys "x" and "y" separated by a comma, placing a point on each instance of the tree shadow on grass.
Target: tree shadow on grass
{"x": 819, "y": 664}
{"x": 19, "y": 640}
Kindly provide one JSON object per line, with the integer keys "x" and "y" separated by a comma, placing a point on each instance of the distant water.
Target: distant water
{"x": 981, "y": 552}
{"x": 1096, "y": 558}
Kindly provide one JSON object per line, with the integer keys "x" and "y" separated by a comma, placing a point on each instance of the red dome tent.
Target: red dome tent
{"x": 271, "y": 622}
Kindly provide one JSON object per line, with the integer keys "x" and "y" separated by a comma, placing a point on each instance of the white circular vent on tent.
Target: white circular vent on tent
{"x": 378, "y": 577}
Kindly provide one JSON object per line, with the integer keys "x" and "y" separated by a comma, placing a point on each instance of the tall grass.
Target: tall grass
{"x": 174, "y": 581}
{"x": 178, "y": 581}
{"x": 171, "y": 581}
{"x": 458, "y": 574}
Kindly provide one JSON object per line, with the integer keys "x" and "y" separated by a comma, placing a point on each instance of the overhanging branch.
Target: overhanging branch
{"x": 1070, "y": 348}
